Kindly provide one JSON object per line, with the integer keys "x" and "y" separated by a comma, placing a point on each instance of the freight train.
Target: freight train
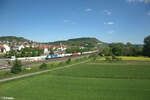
{"x": 39, "y": 58}
{"x": 69, "y": 54}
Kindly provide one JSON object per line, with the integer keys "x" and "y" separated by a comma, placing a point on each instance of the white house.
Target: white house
{"x": 6, "y": 48}
{"x": 1, "y": 49}
{"x": 20, "y": 47}
{"x": 61, "y": 47}
{"x": 27, "y": 46}
{"x": 46, "y": 51}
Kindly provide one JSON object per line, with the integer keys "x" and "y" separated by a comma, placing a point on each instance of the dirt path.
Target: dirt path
{"x": 36, "y": 73}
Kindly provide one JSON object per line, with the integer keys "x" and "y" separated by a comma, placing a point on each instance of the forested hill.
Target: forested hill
{"x": 13, "y": 39}
{"x": 86, "y": 42}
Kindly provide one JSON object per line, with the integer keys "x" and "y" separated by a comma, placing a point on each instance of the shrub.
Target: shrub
{"x": 93, "y": 56}
{"x": 43, "y": 66}
{"x": 17, "y": 67}
{"x": 118, "y": 59}
{"x": 114, "y": 57}
{"x": 108, "y": 58}
{"x": 68, "y": 61}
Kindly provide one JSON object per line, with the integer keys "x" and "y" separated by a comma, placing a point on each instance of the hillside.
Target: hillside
{"x": 86, "y": 42}
{"x": 13, "y": 39}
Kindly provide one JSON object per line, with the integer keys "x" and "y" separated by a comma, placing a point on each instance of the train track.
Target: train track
{"x": 2, "y": 68}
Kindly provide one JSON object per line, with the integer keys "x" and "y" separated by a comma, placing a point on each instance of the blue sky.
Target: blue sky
{"x": 52, "y": 20}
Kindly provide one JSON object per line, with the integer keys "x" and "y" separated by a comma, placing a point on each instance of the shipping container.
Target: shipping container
{"x": 61, "y": 55}
{"x": 75, "y": 54}
{"x": 79, "y": 53}
{"x": 68, "y": 54}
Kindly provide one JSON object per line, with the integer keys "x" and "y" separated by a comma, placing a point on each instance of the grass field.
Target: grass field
{"x": 90, "y": 81}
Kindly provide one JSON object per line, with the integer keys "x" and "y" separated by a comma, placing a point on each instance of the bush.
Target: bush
{"x": 68, "y": 61}
{"x": 93, "y": 56}
{"x": 114, "y": 57}
{"x": 17, "y": 67}
{"x": 43, "y": 66}
{"x": 118, "y": 59}
{"x": 108, "y": 58}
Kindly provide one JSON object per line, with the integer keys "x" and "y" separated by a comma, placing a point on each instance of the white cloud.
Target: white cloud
{"x": 109, "y": 23}
{"x": 107, "y": 12}
{"x": 140, "y": 1}
{"x": 88, "y": 9}
{"x": 148, "y": 13}
{"x": 111, "y": 32}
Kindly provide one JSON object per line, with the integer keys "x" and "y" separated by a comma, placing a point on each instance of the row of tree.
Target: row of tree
{"x": 120, "y": 49}
{"x": 76, "y": 49}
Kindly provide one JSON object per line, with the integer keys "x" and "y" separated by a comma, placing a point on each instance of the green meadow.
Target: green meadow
{"x": 88, "y": 81}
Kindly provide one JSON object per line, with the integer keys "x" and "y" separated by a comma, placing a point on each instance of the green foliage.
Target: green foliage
{"x": 26, "y": 52}
{"x": 17, "y": 67}
{"x": 112, "y": 58}
{"x": 51, "y": 52}
{"x": 146, "y": 49}
{"x": 93, "y": 56}
{"x": 118, "y": 59}
{"x": 68, "y": 61}
{"x": 43, "y": 66}
{"x": 13, "y": 39}
{"x": 107, "y": 58}
{"x": 120, "y": 49}
{"x": 117, "y": 48}
{"x": 107, "y": 51}
{"x": 76, "y": 49}
{"x": 11, "y": 53}
{"x": 86, "y": 42}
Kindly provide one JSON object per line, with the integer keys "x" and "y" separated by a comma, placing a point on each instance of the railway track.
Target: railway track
{"x": 2, "y": 68}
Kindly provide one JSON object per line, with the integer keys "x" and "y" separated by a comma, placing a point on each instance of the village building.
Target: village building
{"x": 6, "y": 48}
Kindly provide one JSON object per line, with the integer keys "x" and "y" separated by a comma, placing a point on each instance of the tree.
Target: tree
{"x": 107, "y": 51}
{"x": 17, "y": 67}
{"x": 117, "y": 48}
{"x": 146, "y": 48}
{"x": 51, "y": 52}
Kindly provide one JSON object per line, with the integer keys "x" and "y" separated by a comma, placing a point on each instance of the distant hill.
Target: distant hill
{"x": 13, "y": 39}
{"x": 86, "y": 42}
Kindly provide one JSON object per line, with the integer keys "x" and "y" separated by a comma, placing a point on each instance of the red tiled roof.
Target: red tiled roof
{"x": 1, "y": 46}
